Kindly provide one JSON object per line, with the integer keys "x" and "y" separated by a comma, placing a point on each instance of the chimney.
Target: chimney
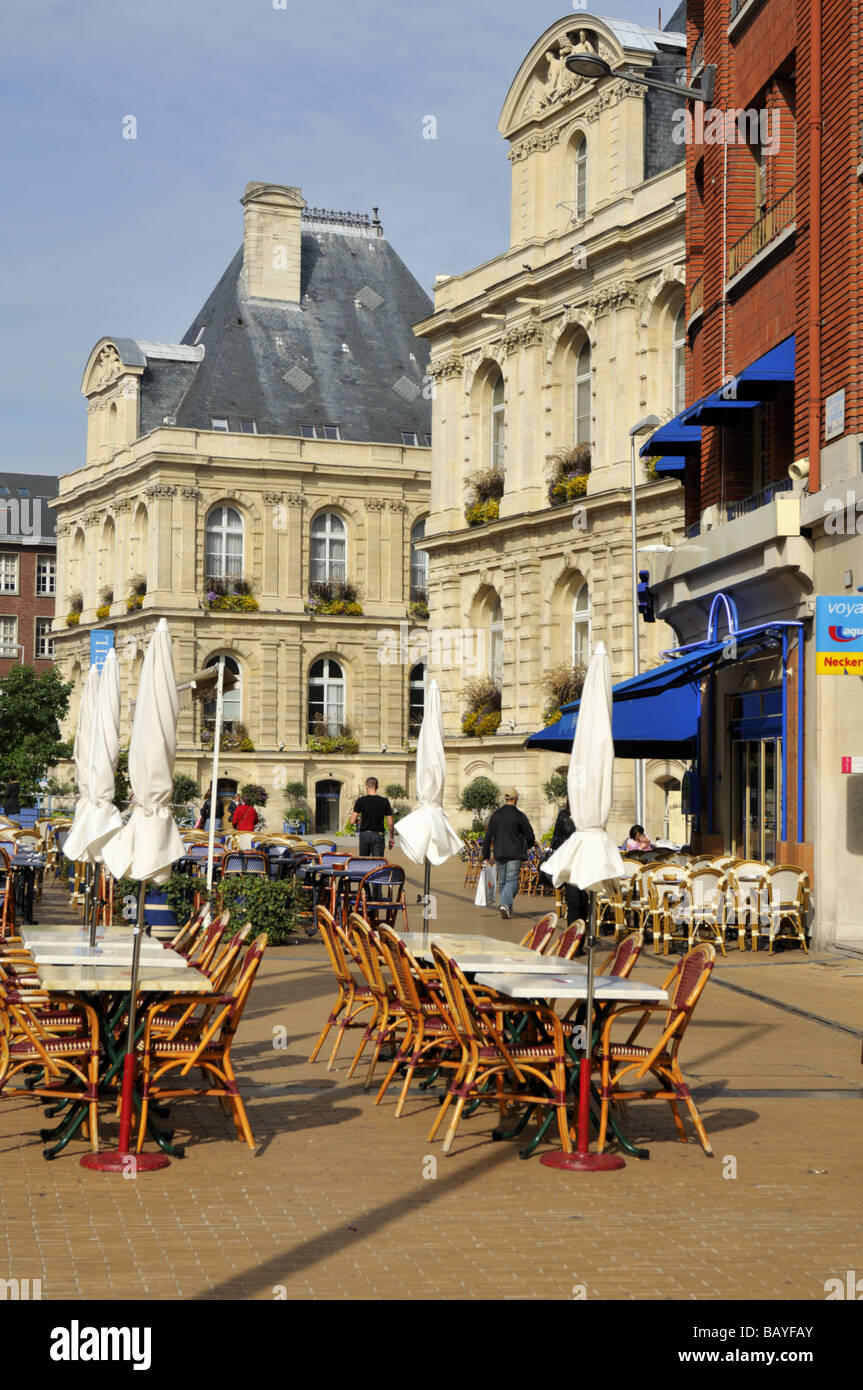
{"x": 272, "y": 226}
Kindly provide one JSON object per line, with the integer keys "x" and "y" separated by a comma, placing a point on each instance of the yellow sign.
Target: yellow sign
{"x": 838, "y": 663}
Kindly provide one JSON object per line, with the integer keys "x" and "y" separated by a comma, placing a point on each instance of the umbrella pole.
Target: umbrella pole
{"x": 94, "y": 918}
{"x": 123, "y": 1161}
{"x": 426, "y": 895}
{"x": 583, "y": 1161}
{"x": 217, "y": 738}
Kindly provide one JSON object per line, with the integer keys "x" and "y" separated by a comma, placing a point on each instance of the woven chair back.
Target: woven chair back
{"x": 567, "y": 941}
{"x": 541, "y": 933}
{"x": 692, "y": 974}
{"x": 625, "y": 955}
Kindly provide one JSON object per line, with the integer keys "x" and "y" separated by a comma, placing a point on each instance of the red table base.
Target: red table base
{"x": 583, "y": 1161}
{"x": 115, "y": 1162}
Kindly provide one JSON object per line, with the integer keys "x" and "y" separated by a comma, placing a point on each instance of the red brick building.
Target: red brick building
{"x": 28, "y": 569}
{"x": 771, "y": 435}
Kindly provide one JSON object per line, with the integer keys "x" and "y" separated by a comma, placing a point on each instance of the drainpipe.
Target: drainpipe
{"x": 814, "y": 266}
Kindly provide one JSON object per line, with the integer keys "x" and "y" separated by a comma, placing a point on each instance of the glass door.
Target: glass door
{"x": 755, "y": 797}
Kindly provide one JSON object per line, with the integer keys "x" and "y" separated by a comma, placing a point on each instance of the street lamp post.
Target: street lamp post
{"x": 645, "y": 426}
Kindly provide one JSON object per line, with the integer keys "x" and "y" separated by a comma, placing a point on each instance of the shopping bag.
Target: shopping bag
{"x": 486, "y": 887}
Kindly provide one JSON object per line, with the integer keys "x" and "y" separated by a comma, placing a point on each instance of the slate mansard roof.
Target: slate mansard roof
{"x": 284, "y": 365}
{"x": 25, "y": 517}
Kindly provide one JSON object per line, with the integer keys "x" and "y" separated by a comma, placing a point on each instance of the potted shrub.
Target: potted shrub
{"x": 568, "y": 472}
{"x": 418, "y": 607}
{"x": 484, "y": 491}
{"x": 562, "y": 684}
{"x": 334, "y": 598}
{"x": 297, "y": 813}
{"x": 137, "y": 590}
{"x": 322, "y": 741}
{"x": 482, "y": 715}
{"x": 231, "y": 595}
{"x": 76, "y": 606}
{"x": 481, "y": 796}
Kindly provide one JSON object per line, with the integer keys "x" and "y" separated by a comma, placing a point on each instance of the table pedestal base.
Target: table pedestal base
{"x": 114, "y": 1162}
{"x": 582, "y": 1163}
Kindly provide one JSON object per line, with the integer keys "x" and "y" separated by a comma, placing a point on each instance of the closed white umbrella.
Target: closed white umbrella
{"x": 145, "y": 848}
{"x": 76, "y": 845}
{"x": 102, "y": 819}
{"x": 426, "y": 835}
{"x": 588, "y": 859}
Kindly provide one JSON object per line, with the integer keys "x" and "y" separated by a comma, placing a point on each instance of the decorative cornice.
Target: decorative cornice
{"x": 375, "y": 504}
{"x": 106, "y": 367}
{"x": 62, "y": 529}
{"x": 622, "y": 292}
{"x": 611, "y": 95}
{"x": 294, "y": 499}
{"x": 92, "y": 518}
{"x": 192, "y": 492}
{"x": 522, "y": 335}
{"x": 160, "y": 490}
{"x": 396, "y": 505}
{"x": 446, "y": 367}
{"x": 271, "y": 499}
{"x": 122, "y": 504}
{"x": 540, "y": 140}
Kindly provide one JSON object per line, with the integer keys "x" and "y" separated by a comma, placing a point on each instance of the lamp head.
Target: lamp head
{"x": 588, "y": 65}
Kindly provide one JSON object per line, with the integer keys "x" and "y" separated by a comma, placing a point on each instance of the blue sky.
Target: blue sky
{"x": 106, "y": 235}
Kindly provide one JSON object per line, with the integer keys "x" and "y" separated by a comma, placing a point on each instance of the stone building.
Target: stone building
{"x": 261, "y": 484}
{"x": 568, "y": 338}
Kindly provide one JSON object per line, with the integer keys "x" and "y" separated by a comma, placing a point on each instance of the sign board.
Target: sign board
{"x": 101, "y": 642}
{"x": 852, "y": 764}
{"x": 834, "y": 415}
{"x": 838, "y": 635}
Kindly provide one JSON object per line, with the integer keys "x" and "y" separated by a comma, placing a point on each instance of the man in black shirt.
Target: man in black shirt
{"x": 510, "y": 836}
{"x": 374, "y": 812}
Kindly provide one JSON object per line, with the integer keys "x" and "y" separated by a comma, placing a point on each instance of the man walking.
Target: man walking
{"x": 374, "y": 812}
{"x": 510, "y": 838}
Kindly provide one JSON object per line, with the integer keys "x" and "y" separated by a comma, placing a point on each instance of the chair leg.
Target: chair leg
{"x": 459, "y": 1105}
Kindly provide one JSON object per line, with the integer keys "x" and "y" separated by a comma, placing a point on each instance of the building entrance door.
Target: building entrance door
{"x": 756, "y": 794}
{"x": 327, "y": 807}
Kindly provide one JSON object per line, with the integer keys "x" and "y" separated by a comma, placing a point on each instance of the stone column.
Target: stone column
{"x": 268, "y": 695}
{"x": 372, "y": 580}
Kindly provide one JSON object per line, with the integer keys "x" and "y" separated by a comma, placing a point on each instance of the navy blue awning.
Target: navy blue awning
{"x": 716, "y": 410}
{"x": 670, "y": 466}
{"x": 762, "y": 378}
{"x": 655, "y": 714}
{"x": 673, "y": 438}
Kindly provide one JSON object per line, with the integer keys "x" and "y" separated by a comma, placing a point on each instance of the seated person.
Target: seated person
{"x": 637, "y": 840}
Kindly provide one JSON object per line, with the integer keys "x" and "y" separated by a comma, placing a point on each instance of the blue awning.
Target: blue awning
{"x": 670, "y": 466}
{"x": 762, "y": 378}
{"x": 673, "y": 438}
{"x": 716, "y": 410}
{"x": 655, "y": 714}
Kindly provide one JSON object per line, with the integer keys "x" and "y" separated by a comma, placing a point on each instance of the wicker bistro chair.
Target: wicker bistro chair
{"x": 233, "y": 862}
{"x": 622, "y": 959}
{"x": 611, "y": 908}
{"x": 327, "y": 846}
{"x": 388, "y": 898}
{"x": 256, "y": 862}
{"x": 7, "y": 896}
{"x": 204, "y": 1041}
{"x": 347, "y": 893}
{"x": 528, "y": 875}
{"x": 666, "y": 887}
{"x": 354, "y": 996}
{"x": 67, "y": 1052}
{"x": 430, "y": 1040}
{"x": 389, "y": 1015}
{"x": 539, "y": 937}
{"x": 473, "y": 862}
{"x": 538, "y": 1065}
{"x": 788, "y": 898}
{"x": 703, "y": 908}
{"x": 746, "y": 899}
{"x": 618, "y": 1060}
{"x": 568, "y": 941}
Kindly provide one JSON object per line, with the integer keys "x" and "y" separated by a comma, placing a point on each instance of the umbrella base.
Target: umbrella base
{"x": 580, "y": 1163}
{"x": 115, "y": 1162}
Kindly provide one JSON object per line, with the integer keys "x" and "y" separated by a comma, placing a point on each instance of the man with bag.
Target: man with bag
{"x": 510, "y": 838}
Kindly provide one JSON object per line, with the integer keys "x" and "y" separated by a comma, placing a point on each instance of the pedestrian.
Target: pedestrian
{"x": 638, "y": 840}
{"x": 245, "y": 817}
{"x": 577, "y": 901}
{"x": 12, "y": 797}
{"x": 205, "y": 809}
{"x": 375, "y": 814}
{"x": 509, "y": 836}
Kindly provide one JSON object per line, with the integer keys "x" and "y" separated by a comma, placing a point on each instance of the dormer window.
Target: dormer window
{"x": 248, "y": 427}
{"x": 320, "y": 432}
{"x": 220, "y": 423}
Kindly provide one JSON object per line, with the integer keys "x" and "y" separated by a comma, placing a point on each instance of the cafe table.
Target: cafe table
{"x": 472, "y": 953}
{"x": 113, "y": 976}
{"x": 570, "y": 982}
{"x": 25, "y": 867}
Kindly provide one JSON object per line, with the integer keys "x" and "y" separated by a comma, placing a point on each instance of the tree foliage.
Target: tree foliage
{"x": 32, "y": 706}
{"x": 482, "y": 794}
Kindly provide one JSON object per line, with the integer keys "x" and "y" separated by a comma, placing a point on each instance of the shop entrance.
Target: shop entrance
{"x": 756, "y": 774}
{"x": 327, "y": 806}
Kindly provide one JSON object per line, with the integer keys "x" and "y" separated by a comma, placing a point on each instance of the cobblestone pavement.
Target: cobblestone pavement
{"x": 340, "y": 1200}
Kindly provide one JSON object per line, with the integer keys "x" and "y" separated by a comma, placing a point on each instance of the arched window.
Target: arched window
{"x": 498, "y": 424}
{"x": 495, "y": 645}
{"x": 580, "y": 151}
{"x": 329, "y": 548}
{"x": 581, "y": 627}
{"x": 224, "y": 543}
{"x": 326, "y": 697}
{"x": 678, "y": 348}
{"x": 232, "y": 700}
{"x": 416, "y": 698}
{"x": 582, "y": 394}
{"x": 419, "y": 560}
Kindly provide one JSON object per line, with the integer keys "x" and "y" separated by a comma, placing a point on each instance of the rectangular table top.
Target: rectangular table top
{"x": 483, "y": 953}
{"x": 74, "y": 932}
{"x": 569, "y": 985}
{"x": 117, "y": 979}
{"x": 154, "y": 957}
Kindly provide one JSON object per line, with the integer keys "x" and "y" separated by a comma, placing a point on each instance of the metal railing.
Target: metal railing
{"x": 758, "y": 499}
{"x": 696, "y": 295}
{"x": 762, "y": 232}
